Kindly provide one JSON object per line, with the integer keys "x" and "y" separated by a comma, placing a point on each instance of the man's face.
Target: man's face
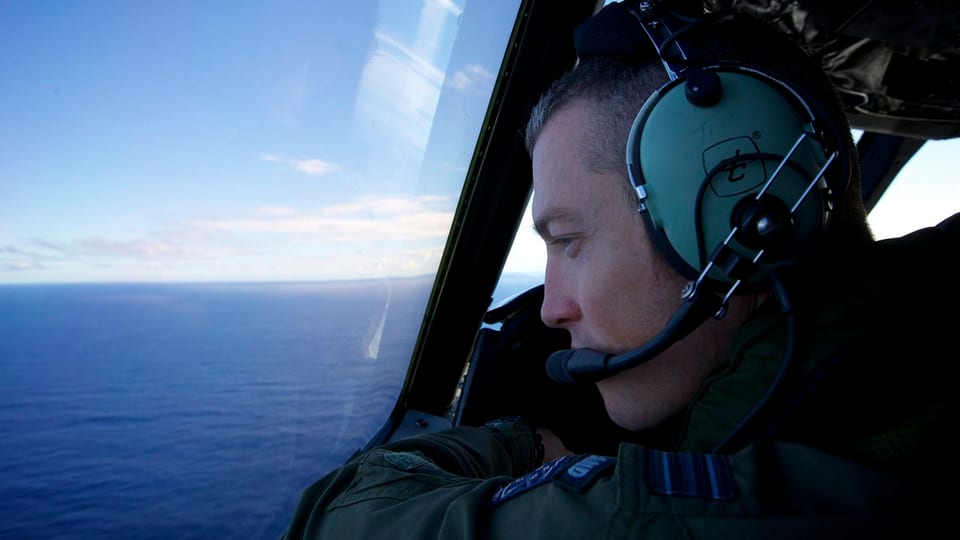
{"x": 603, "y": 282}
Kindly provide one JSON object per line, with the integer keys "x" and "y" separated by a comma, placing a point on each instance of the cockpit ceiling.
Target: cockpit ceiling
{"x": 895, "y": 62}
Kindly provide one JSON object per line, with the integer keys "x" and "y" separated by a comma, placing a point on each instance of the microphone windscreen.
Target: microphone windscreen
{"x": 557, "y": 367}
{"x": 578, "y": 366}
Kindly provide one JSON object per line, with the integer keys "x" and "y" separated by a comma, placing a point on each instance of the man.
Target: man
{"x": 798, "y": 419}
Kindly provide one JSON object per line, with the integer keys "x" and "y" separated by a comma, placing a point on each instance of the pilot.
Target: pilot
{"x": 697, "y": 187}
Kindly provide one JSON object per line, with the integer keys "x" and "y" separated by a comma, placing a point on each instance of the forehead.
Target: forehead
{"x": 565, "y": 186}
{"x": 558, "y": 155}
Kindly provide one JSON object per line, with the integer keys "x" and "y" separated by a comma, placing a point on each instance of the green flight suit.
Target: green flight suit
{"x": 855, "y": 444}
{"x": 446, "y": 485}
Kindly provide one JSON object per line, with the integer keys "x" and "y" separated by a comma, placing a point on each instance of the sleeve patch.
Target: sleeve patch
{"x": 580, "y": 474}
{"x": 685, "y": 474}
{"x": 525, "y": 483}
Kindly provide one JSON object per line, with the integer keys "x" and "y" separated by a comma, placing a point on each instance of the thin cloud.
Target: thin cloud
{"x": 276, "y": 211}
{"x": 57, "y": 248}
{"x": 396, "y": 219}
{"x": 18, "y": 259}
{"x": 357, "y": 265}
{"x": 170, "y": 244}
{"x": 21, "y": 265}
{"x": 310, "y": 166}
{"x": 12, "y": 250}
{"x": 148, "y": 248}
{"x": 370, "y": 237}
{"x": 43, "y": 255}
{"x": 315, "y": 166}
{"x": 387, "y": 205}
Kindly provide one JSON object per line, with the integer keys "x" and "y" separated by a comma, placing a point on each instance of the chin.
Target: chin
{"x": 630, "y": 405}
{"x": 622, "y": 410}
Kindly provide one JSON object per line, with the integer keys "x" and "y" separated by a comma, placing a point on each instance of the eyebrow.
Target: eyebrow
{"x": 542, "y": 224}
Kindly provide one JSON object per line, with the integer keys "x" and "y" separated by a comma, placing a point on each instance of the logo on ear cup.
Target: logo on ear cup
{"x": 736, "y": 177}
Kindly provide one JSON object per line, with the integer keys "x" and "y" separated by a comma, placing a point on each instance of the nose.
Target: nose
{"x": 559, "y": 308}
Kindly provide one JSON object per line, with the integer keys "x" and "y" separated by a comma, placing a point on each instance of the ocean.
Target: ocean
{"x": 189, "y": 410}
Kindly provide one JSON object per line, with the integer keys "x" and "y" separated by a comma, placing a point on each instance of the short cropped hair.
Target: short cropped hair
{"x": 616, "y": 88}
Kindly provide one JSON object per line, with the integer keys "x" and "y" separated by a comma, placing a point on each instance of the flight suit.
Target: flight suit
{"x": 460, "y": 484}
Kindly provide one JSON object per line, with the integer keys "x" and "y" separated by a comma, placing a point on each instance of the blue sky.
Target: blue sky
{"x": 234, "y": 140}
{"x": 251, "y": 140}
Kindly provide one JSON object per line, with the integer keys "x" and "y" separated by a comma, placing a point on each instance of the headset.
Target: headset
{"x": 729, "y": 164}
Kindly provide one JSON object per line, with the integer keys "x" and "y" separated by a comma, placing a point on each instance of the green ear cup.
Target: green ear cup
{"x": 697, "y": 164}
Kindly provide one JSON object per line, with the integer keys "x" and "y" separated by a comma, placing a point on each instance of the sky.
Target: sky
{"x": 236, "y": 140}
{"x": 242, "y": 140}
{"x": 924, "y": 193}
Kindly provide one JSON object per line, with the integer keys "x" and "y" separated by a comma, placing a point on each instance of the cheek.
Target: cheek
{"x": 629, "y": 304}
{"x": 616, "y": 310}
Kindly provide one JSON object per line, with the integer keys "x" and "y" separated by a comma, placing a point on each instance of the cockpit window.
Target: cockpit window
{"x": 219, "y": 227}
{"x": 924, "y": 193}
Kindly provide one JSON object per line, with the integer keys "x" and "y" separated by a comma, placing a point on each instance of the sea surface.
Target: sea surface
{"x": 189, "y": 410}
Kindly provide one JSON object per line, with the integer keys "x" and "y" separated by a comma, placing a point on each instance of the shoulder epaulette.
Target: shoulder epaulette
{"x": 689, "y": 474}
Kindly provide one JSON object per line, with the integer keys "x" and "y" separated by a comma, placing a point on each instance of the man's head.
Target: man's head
{"x": 605, "y": 282}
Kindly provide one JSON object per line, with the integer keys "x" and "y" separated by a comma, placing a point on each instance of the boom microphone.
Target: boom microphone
{"x": 589, "y": 365}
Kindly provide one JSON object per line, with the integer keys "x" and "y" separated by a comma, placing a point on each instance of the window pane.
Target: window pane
{"x": 924, "y": 193}
{"x": 525, "y": 263}
{"x": 219, "y": 226}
